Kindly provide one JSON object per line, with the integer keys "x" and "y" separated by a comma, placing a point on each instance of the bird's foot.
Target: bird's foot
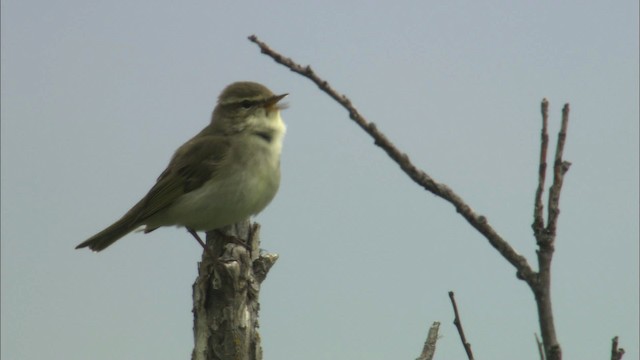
{"x": 202, "y": 243}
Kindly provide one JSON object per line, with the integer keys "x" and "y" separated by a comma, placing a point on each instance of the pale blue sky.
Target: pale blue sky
{"x": 97, "y": 95}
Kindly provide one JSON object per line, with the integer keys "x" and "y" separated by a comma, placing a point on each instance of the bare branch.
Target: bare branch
{"x": 540, "y": 346}
{"x": 546, "y": 236}
{"x": 458, "y": 323}
{"x": 429, "y": 348}
{"x": 539, "y": 282}
{"x": 616, "y": 353}
{"x": 479, "y": 222}
{"x": 538, "y": 216}
{"x": 560, "y": 167}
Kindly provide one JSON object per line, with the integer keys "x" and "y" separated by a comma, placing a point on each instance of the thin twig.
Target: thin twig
{"x": 479, "y": 222}
{"x": 560, "y": 167}
{"x": 616, "y": 353}
{"x": 540, "y": 346}
{"x": 538, "y": 216}
{"x": 458, "y": 323}
{"x": 429, "y": 348}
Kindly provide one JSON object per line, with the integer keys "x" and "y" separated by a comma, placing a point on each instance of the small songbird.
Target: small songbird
{"x": 225, "y": 174}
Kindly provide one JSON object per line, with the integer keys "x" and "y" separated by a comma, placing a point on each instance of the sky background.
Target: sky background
{"x": 96, "y": 96}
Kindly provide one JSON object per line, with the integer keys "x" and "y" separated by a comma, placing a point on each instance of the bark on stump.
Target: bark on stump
{"x": 226, "y": 294}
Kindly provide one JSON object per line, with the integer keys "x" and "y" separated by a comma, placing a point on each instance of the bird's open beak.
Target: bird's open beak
{"x": 273, "y": 101}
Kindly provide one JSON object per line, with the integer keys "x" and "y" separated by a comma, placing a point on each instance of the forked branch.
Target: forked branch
{"x": 539, "y": 282}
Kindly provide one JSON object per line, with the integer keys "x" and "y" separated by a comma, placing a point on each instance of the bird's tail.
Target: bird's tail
{"x": 108, "y": 236}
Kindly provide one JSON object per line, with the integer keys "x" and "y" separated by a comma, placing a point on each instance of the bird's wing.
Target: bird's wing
{"x": 193, "y": 164}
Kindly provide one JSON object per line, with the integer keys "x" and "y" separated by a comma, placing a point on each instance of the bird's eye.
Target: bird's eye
{"x": 246, "y": 104}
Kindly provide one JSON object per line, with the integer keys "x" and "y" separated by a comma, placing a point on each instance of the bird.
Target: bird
{"x": 226, "y": 173}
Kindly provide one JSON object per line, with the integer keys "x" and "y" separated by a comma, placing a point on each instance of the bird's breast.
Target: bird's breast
{"x": 243, "y": 186}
